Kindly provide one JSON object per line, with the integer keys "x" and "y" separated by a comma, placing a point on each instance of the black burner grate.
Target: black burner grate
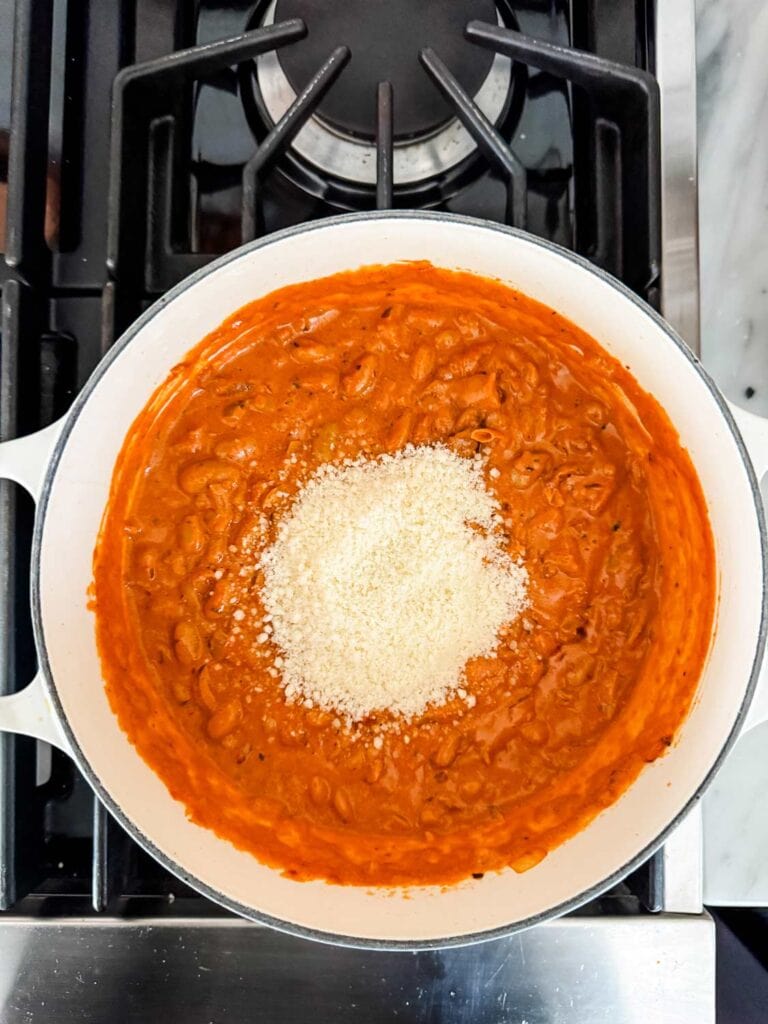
{"x": 114, "y": 195}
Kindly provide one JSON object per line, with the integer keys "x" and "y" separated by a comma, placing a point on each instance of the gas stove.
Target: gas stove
{"x": 141, "y": 139}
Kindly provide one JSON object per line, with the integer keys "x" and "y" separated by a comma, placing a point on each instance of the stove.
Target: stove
{"x": 141, "y": 139}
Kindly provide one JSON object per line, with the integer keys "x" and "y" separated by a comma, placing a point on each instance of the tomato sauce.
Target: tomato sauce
{"x": 598, "y": 498}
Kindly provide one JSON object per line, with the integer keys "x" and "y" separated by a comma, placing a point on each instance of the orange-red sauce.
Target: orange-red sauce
{"x": 598, "y": 497}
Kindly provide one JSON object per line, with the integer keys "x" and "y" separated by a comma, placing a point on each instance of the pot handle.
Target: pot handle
{"x": 30, "y": 711}
{"x": 754, "y": 432}
{"x": 25, "y": 459}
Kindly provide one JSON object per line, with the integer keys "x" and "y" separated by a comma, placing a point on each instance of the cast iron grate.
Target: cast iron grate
{"x": 120, "y": 184}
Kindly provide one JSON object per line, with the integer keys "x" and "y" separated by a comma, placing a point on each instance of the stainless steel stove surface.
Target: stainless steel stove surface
{"x": 143, "y": 139}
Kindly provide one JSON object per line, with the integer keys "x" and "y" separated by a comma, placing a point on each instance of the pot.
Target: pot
{"x": 68, "y": 466}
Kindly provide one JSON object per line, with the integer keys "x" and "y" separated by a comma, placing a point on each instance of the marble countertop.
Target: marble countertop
{"x": 731, "y": 37}
{"x": 733, "y": 215}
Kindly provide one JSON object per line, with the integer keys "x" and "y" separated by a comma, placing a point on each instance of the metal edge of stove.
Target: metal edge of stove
{"x": 587, "y": 970}
{"x": 675, "y": 70}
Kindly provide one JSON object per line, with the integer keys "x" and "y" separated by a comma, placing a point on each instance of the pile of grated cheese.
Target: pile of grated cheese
{"x": 384, "y": 578}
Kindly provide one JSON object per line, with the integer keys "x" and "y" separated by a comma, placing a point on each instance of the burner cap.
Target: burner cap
{"x": 385, "y": 37}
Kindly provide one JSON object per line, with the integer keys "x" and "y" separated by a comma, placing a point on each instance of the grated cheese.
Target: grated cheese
{"x": 384, "y": 578}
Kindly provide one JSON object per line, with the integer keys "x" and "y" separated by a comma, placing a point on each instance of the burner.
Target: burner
{"x": 385, "y": 37}
{"x": 342, "y": 155}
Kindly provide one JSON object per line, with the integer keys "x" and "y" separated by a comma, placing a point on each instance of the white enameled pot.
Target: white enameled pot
{"x": 68, "y": 468}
